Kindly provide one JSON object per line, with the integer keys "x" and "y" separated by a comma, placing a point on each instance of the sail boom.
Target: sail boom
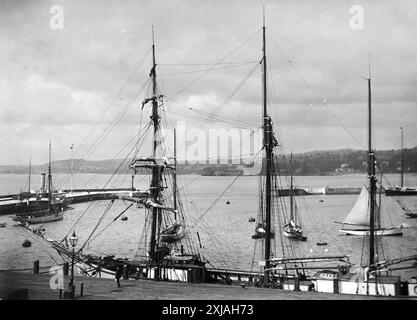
{"x": 309, "y": 259}
{"x": 151, "y": 166}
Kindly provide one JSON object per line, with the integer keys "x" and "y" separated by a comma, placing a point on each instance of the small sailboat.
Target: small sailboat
{"x": 293, "y": 230}
{"x": 358, "y": 218}
{"x": 260, "y": 232}
{"x": 401, "y": 190}
{"x": 365, "y": 216}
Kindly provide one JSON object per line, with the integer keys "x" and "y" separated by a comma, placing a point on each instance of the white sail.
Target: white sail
{"x": 359, "y": 215}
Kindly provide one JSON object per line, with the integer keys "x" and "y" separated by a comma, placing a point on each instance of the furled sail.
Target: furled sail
{"x": 149, "y": 203}
{"x": 359, "y": 215}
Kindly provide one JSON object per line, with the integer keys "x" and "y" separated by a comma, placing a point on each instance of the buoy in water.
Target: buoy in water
{"x": 26, "y": 243}
{"x": 321, "y": 200}
{"x": 227, "y": 202}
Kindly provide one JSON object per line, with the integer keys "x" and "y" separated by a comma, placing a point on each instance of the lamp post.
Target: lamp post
{"x": 72, "y": 159}
{"x": 73, "y": 240}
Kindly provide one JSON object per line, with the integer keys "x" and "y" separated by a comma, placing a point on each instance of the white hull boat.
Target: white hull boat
{"x": 377, "y": 232}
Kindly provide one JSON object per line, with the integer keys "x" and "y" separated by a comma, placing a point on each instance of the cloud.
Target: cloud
{"x": 66, "y": 84}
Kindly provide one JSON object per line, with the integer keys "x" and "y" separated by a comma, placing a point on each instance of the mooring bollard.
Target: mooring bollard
{"x": 36, "y": 266}
{"x": 82, "y": 289}
{"x": 125, "y": 275}
{"x": 296, "y": 284}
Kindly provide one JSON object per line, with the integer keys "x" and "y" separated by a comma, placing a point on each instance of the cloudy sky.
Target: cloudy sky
{"x": 70, "y": 84}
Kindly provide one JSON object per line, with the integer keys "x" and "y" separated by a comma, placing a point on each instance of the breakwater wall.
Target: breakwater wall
{"x": 318, "y": 191}
{"x": 11, "y": 204}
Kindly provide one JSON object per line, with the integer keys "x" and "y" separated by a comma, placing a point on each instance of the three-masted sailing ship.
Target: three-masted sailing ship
{"x": 168, "y": 253}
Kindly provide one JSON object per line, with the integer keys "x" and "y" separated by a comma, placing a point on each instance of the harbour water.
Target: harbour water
{"x": 224, "y": 230}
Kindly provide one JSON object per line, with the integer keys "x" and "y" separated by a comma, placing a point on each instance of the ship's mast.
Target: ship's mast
{"x": 268, "y": 155}
{"x": 372, "y": 183}
{"x": 50, "y": 179}
{"x": 30, "y": 173}
{"x": 292, "y": 193}
{"x": 175, "y": 172}
{"x": 402, "y": 157}
{"x": 155, "y": 185}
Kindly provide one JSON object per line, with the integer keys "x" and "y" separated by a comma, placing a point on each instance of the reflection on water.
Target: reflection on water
{"x": 225, "y": 232}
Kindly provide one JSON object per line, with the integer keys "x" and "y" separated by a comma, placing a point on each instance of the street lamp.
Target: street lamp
{"x": 72, "y": 159}
{"x": 73, "y": 240}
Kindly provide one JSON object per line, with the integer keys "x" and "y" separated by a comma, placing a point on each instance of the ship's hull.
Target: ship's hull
{"x": 42, "y": 218}
{"x": 377, "y": 232}
{"x": 17, "y": 205}
{"x": 401, "y": 192}
{"x": 292, "y": 233}
{"x": 295, "y": 235}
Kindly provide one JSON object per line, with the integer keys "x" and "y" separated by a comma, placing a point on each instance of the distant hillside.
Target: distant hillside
{"x": 349, "y": 161}
{"x": 308, "y": 163}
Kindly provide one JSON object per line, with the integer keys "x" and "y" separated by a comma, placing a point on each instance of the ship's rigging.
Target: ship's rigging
{"x": 164, "y": 226}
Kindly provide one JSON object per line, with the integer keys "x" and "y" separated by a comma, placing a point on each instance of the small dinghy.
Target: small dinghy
{"x": 124, "y": 218}
{"x": 26, "y": 243}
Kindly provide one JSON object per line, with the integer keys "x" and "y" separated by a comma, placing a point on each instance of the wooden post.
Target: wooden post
{"x": 335, "y": 285}
{"x": 228, "y": 278}
{"x": 297, "y": 283}
{"x": 73, "y": 292}
{"x": 36, "y": 266}
{"x": 60, "y": 293}
{"x": 189, "y": 276}
{"x": 203, "y": 275}
{"x": 66, "y": 268}
{"x": 125, "y": 275}
{"x": 82, "y": 289}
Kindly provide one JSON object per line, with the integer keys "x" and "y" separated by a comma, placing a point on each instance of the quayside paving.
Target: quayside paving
{"x": 18, "y": 285}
